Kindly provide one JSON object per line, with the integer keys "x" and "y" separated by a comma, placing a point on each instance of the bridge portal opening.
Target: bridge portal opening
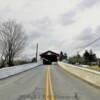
{"x": 49, "y": 56}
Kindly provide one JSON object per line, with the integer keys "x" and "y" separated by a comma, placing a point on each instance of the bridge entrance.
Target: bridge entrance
{"x": 49, "y": 56}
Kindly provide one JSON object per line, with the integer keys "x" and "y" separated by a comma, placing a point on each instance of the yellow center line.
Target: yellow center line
{"x": 49, "y": 87}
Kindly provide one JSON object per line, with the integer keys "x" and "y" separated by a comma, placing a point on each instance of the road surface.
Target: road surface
{"x": 47, "y": 82}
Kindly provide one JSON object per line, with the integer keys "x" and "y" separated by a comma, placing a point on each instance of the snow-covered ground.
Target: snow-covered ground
{"x": 9, "y": 71}
{"x": 81, "y": 68}
{"x": 80, "y": 65}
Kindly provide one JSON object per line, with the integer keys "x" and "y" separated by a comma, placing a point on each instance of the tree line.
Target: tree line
{"x": 88, "y": 58}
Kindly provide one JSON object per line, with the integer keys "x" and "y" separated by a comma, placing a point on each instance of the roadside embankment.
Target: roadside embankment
{"x": 88, "y": 75}
{"x": 9, "y": 71}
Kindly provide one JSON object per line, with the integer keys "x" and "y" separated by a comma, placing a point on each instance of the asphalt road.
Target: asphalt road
{"x": 46, "y": 83}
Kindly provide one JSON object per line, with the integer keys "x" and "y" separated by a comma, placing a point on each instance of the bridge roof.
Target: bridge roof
{"x": 49, "y": 53}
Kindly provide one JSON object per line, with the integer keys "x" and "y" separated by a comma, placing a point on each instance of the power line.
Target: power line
{"x": 90, "y": 43}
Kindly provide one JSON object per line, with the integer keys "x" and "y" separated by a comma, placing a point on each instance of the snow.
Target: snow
{"x": 9, "y": 71}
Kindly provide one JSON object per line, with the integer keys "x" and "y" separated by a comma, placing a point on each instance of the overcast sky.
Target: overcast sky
{"x": 66, "y": 25}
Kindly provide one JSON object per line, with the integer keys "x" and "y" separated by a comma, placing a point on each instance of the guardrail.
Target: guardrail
{"x": 90, "y": 76}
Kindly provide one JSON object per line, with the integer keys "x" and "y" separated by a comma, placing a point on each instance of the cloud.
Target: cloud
{"x": 55, "y": 24}
{"x": 41, "y": 28}
{"x": 86, "y": 34}
{"x": 87, "y": 4}
{"x": 98, "y": 29}
{"x": 68, "y": 18}
{"x": 86, "y": 37}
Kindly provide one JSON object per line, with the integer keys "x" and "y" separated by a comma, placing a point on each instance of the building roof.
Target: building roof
{"x": 49, "y": 53}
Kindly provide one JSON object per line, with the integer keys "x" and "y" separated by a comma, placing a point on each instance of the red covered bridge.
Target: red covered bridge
{"x": 49, "y": 56}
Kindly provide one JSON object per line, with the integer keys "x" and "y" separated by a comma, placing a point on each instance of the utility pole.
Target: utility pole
{"x": 36, "y": 52}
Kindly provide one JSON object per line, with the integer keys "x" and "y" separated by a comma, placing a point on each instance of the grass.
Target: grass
{"x": 94, "y": 67}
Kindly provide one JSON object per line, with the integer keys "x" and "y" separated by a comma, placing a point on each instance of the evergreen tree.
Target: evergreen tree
{"x": 65, "y": 56}
{"x": 86, "y": 57}
{"x": 89, "y": 57}
{"x": 92, "y": 56}
{"x": 61, "y": 56}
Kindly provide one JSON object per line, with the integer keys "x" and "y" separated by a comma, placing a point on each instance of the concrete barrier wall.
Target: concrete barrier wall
{"x": 10, "y": 71}
{"x": 92, "y": 77}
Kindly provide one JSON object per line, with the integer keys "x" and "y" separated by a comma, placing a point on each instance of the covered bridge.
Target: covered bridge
{"x": 49, "y": 56}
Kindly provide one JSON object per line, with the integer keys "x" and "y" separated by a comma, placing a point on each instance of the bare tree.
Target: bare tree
{"x": 12, "y": 41}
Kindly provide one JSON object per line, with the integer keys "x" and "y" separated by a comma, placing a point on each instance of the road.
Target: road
{"x": 47, "y": 82}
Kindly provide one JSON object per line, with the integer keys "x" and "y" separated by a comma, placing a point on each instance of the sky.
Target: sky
{"x": 58, "y": 25}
